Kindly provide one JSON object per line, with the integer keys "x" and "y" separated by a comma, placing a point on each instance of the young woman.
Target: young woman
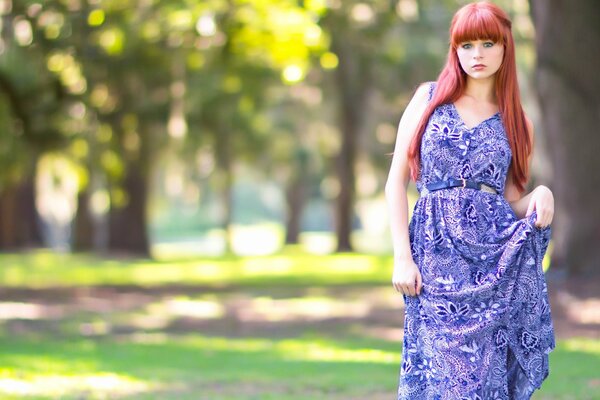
{"x": 477, "y": 322}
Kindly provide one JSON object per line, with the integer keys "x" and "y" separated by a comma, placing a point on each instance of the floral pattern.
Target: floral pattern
{"x": 481, "y": 327}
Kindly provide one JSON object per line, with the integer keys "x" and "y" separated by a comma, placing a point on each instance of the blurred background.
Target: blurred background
{"x": 191, "y": 192}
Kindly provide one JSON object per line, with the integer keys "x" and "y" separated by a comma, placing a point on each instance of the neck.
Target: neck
{"x": 481, "y": 89}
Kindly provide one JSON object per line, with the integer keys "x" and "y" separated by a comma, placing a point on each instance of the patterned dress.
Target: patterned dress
{"x": 481, "y": 327}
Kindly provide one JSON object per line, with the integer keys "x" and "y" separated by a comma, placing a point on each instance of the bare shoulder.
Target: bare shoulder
{"x": 411, "y": 116}
{"x": 419, "y": 101}
{"x": 424, "y": 92}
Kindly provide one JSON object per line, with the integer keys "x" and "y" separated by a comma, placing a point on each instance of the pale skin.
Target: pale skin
{"x": 480, "y": 59}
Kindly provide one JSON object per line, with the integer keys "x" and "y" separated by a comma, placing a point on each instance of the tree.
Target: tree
{"x": 31, "y": 99}
{"x": 568, "y": 85}
{"x": 237, "y": 112}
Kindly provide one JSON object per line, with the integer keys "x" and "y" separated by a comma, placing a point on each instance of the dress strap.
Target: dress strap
{"x": 432, "y": 86}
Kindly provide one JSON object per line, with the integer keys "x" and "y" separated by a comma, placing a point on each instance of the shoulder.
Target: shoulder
{"x": 429, "y": 88}
{"x": 414, "y": 110}
{"x": 423, "y": 94}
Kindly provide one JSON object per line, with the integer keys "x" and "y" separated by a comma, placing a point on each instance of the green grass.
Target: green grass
{"x": 52, "y": 359}
{"x": 193, "y": 367}
{"x": 199, "y": 367}
{"x": 291, "y": 267}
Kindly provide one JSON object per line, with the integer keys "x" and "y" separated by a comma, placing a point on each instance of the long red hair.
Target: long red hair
{"x": 480, "y": 21}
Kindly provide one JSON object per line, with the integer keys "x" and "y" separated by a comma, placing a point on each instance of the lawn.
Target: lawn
{"x": 288, "y": 326}
{"x": 290, "y": 267}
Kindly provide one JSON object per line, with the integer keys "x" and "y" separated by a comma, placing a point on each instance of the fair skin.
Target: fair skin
{"x": 480, "y": 59}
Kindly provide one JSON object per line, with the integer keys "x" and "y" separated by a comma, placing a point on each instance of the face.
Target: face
{"x": 480, "y": 59}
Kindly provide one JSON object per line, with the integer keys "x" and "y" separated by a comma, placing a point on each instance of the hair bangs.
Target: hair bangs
{"x": 476, "y": 24}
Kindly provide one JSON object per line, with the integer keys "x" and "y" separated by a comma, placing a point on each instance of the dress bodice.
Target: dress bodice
{"x": 449, "y": 149}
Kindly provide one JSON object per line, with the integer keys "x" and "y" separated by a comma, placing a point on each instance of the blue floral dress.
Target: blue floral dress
{"x": 481, "y": 327}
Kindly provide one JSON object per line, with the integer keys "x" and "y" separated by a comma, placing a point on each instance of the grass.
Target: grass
{"x": 47, "y": 357}
{"x": 200, "y": 367}
{"x": 194, "y": 366}
{"x": 291, "y": 267}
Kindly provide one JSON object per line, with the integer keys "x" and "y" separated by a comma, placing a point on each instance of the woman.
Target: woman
{"x": 477, "y": 322}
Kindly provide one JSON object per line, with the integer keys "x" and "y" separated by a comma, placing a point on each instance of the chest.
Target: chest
{"x": 449, "y": 146}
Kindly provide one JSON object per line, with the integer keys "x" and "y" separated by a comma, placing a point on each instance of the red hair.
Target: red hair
{"x": 481, "y": 21}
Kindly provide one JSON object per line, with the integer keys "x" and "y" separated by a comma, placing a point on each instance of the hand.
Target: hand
{"x": 407, "y": 277}
{"x": 542, "y": 201}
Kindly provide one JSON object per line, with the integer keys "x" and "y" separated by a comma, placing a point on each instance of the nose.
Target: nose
{"x": 477, "y": 52}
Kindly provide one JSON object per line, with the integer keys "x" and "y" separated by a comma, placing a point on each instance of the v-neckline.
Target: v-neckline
{"x": 462, "y": 121}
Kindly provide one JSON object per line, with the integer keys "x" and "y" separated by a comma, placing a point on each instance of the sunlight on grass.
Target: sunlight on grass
{"x": 185, "y": 307}
{"x": 318, "y": 242}
{"x": 260, "y": 266}
{"x": 11, "y": 310}
{"x": 304, "y": 349}
{"x": 104, "y": 384}
{"x": 260, "y": 239}
{"x": 179, "y": 367}
{"x": 318, "y": 351}
{"x": 583, "y": 345}
{"x": 292, "y": 266}
{"x": 305, "y": 308}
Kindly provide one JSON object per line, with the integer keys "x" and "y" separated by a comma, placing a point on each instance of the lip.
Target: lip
{"x": 478, "y": 66}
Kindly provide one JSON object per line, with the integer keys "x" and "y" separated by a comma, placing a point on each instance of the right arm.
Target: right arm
{"x": 406, "y": 278}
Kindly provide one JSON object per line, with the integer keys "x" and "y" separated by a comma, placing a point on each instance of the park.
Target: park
{"x": 192, "y": 193}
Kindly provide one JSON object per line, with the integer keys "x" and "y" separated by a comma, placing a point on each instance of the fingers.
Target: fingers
{"x": 543, "y": 203}
{"x": 409, "y": 288}
{"x": 530, "y": 207}
{"x": 544, "y": 217}
{"x": 406, "y": 278}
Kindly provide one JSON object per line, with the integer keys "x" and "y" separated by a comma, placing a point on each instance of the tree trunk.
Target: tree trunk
{"x": 568, "y": 85}
{"x": 19, "y": 220}
{"x": 352, "y": 80}
{"x": 127, "y": 224}
{"x": 296, "y": 195}
{"x": 83, "y": 231}
{"x": 225, "y": 185}
{"x": 8, "y": 218}
{"x": 28, "y": 226}
{"x": 227, "y": 201}
{"x": 295, "y": 199}
{"x": 345, "y": 171}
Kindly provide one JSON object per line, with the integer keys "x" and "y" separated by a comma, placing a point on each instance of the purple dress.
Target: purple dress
{"x": 481, "y": 327}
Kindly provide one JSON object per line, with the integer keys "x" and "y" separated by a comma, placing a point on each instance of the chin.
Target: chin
{"x": 479, "y": 76}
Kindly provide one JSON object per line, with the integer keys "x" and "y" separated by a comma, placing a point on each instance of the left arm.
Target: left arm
{"x": 540, "y": 199}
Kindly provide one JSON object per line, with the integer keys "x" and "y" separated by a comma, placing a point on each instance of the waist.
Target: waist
{"x": 457, "y": 183}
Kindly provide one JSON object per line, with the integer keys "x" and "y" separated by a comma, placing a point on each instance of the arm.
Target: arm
{"x": 407, "y": 278}
{"x": 539, "y": 199}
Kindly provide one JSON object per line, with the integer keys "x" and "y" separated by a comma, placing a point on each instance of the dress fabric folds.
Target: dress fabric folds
{"x": 481, "y": 327}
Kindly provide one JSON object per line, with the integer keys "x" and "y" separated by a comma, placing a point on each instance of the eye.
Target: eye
{"x": 466, "y": 46}
{"x": 489, "y": 44}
